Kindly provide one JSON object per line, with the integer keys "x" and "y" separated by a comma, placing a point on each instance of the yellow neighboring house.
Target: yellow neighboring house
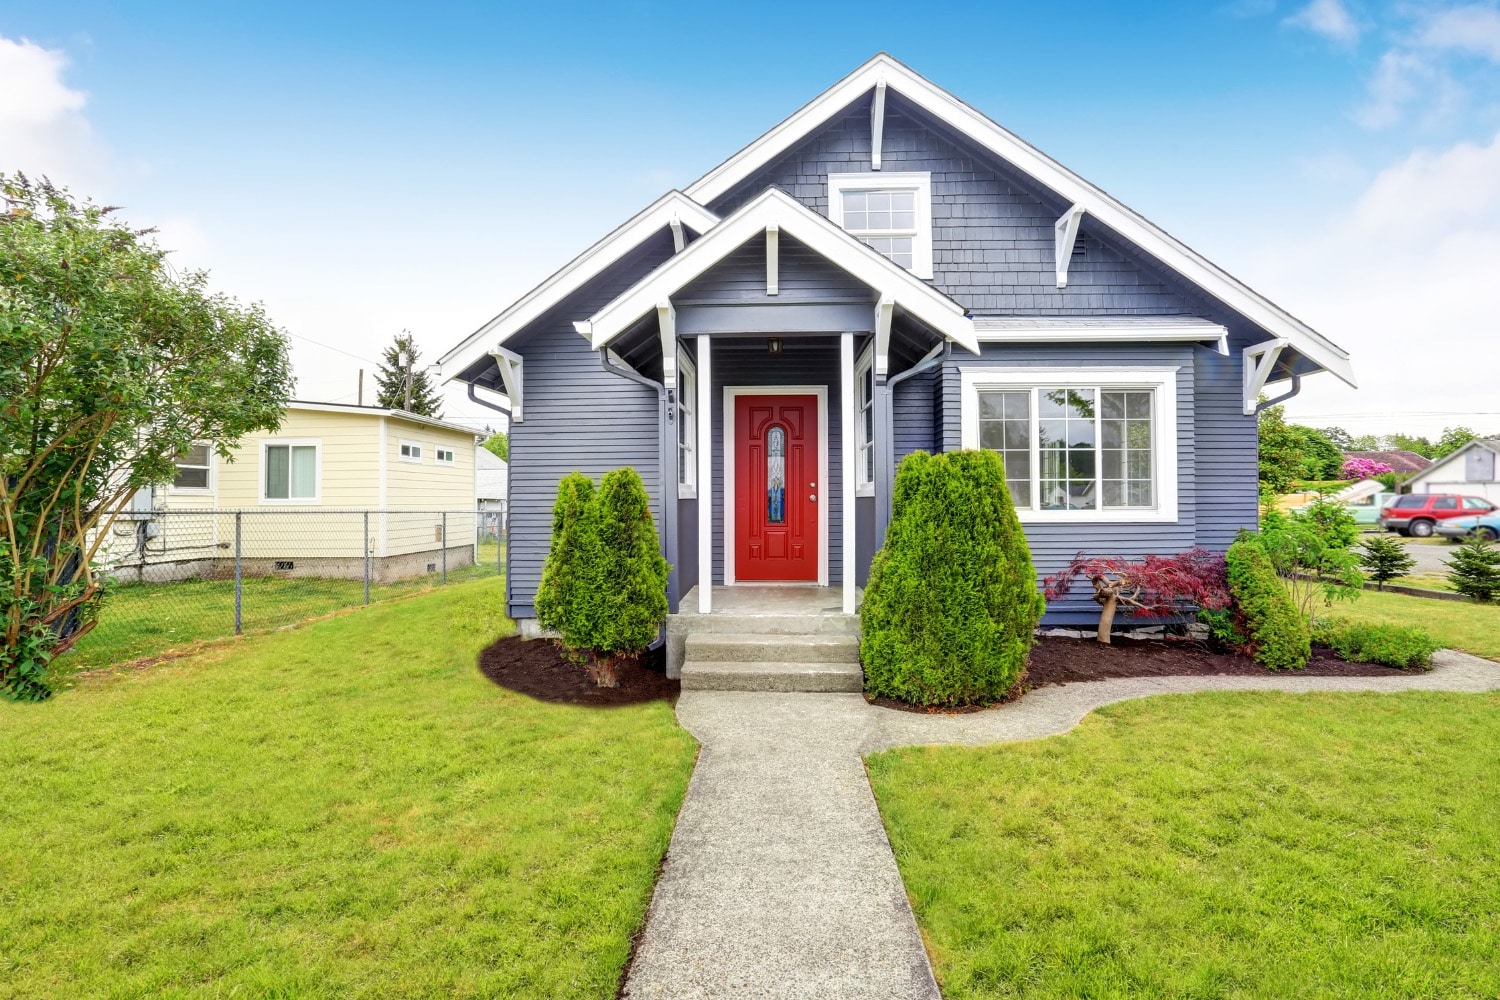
{"x": 335, "y": 487}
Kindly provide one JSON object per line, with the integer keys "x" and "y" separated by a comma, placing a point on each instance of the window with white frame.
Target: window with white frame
{"x": 411, "y": 451}
{"x": 864, "y": 427}
{"x": 891, "y": 212}
{"x": 442, "y": 456}
{"x": 289, "y": 470}
{"x": 193, "y": 469}
{"x": 687, "y": 427}
{"x": 1079, "y": 444}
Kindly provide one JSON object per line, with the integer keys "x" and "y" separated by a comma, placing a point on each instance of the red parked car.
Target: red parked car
{"x": 1417, "y": 513}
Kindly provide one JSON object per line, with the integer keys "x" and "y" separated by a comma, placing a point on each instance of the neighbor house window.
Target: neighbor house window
{"x": 687, "y": 427}
{"x": 290, "y": 470}
{"x": 864, "y": 427}
{"x": 193, "y": 468}
{"x": 1079, "y": 444}
{"x": 411, "y": 451}
{"x": 442, "y": 456}
{"x": 890, "y": 212}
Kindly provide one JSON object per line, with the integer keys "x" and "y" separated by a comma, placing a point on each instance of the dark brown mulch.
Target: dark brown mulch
{"x": 538, "y": 670}
{"x": 1065, "y": 661}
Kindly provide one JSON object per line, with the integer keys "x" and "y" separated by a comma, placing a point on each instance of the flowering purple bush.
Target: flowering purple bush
{"x": 1364, "y": 468}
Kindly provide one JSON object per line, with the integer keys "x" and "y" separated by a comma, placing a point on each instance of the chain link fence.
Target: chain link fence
{"x": 180, "y": 576}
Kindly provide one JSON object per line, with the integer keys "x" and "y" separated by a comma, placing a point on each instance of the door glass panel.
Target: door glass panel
{"x": 776, "y": 476}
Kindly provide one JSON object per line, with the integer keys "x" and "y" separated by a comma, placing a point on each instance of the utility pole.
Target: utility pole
{"x": 361, "y": 396}
{"x": 408, "y": 360}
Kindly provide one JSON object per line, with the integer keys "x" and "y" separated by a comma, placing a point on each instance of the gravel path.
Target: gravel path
{"x": 780, "y": 881}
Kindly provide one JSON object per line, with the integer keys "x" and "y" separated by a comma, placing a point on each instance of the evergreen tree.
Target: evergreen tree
{"x": 558, "y": 592}
{"x": 498, "y": 444}
{"x": 1475, "y": 569}
{"x": 398, "y": 362}
{"x": 1386, "y": 559}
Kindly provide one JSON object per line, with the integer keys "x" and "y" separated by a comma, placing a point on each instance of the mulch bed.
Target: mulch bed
{"x": 1065, "y": 661}
{"x": 538, "y": 670}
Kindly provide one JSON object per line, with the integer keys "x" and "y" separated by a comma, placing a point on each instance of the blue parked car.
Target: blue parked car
{"x": 1483, "y": 525}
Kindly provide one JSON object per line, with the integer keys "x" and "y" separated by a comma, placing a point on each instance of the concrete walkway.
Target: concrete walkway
{"x": 780, "y": 881}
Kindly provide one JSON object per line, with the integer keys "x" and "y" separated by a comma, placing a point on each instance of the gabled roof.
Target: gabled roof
{"x": 776, "y": 208}
{"x": 1492, "y": 444}
{"x": 672, "y": 206}
{"x": 926, "y": 95}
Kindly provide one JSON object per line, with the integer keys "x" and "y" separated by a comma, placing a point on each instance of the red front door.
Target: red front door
{"x": 776, "y": 488}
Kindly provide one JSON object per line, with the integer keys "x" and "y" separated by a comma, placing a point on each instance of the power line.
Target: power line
{"x": 340, "y": 350}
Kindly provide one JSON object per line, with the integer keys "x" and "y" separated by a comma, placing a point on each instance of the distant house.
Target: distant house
{"x": 489, "y": 481}
{"x": 1473, "y": 470}
{"x": 301, "y": 493}
{"x": 1403, "y": 463}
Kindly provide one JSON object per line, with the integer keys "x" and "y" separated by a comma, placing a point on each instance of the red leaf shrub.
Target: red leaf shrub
{"x": 1153, "y": 587}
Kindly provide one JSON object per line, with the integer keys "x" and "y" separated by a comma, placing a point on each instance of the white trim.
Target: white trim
{"x": 654, "y": 218}
{"x": 1163, "y": 382}
{"x": 1047, "y": 171}
{"x": 885, "y": 310}
{"x": 774, "y": 206}
{"x": 1006, "y": 330}
{"x": 380, "y": 411}
{"x": 877, "y": 123}
{"x": 317, "y": 445}
{"x": 730, "y": 393}
{"x": 512, "y": 375}
{"x": 687, "y": 370}
{"x": 846, "y": 466}
{"x": 384, "y": 491}
{"x": 773, "y": 259}
{"x": 706, "y": 478}
{"x": 919, "y": 183}
{"x": 409, "y": 443}
{"x": 1259, "y": 361}
{"x": 1488, "y": 444}
{"x": 864, "y": 364}
{"x": 1065, "y": 236}
{"x": 666, "y": 331}
{"x": 197, "y": 491}
{"x": 437, "y": 454}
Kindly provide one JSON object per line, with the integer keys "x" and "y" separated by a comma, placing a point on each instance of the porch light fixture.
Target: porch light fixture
{"x": 773, "y": 345}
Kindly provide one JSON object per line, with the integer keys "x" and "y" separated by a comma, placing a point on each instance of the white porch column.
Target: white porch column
{"x": 847, "y": 461}
{"x": 705, "y": 478}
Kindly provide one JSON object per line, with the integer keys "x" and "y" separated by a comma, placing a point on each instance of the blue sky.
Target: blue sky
{"x": 368, "y": 168}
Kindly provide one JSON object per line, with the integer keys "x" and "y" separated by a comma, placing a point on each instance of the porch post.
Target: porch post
{"x": 705, "y": 477}
{"x": 885, "y": 458}
{"x": 847, "y": 461}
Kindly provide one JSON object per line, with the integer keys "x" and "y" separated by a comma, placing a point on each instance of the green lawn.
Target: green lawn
{"x": 1473, "y": 628}
{"x": 344, "y": 810}
{"x": 1220, "y": 845}
{"x": 141, "y": 620}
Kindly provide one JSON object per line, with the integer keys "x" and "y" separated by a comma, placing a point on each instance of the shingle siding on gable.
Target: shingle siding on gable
{"x": 577, "y": 416}
{"x": 803, "y": 276}
{"x": 992, "y": 237}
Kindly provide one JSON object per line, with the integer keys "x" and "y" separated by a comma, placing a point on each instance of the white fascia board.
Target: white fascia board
{"x": 1207, "y": 333}
{"x": 1047, "y": 171}
{"x": 775, "y": 207}
{"x": 657, "y": 216}
{"x": 373, "y": 411}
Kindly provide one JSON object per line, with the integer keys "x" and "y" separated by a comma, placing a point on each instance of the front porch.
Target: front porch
{"x": 783, "y": 637}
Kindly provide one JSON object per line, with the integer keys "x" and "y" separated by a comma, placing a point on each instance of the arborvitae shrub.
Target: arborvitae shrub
{"x": 1278, "y": 633}
{"x": 555, "y": 595}
{"x": 622, "y": 597}
{"x": 952, "y": 601}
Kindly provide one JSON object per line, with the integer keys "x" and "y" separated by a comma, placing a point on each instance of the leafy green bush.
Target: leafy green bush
{"x": 1310, "y": 549}
{"x": 1475, "y": 569}
{"x": 1394, "y": 645}
{"x": 952, "y": 602}
{"x": 1277, "y": 632}
{"x": 556, "y": 595}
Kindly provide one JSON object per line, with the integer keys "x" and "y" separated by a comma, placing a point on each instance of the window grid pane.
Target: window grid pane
{"x": 1125, "y": 432}
{"x": 1065, "y": 438}
{"x": 1005, "y": 427}
{"x": 304, "y": 472}
{"x": 277, "y": 461}
{"x": 873, "y": 214}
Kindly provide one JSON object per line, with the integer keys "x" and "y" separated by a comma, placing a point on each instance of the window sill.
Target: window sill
{"x": 291, "y": 502}
{"x": 190, "y": 491}
{"x": 865, "y": 490}
{"x": 687, "y": 493}
{"x": 1128, "y": 516}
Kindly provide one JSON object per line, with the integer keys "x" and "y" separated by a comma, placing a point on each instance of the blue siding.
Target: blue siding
{"x": 802, "y": 276}
{"x": 914, "y": 414}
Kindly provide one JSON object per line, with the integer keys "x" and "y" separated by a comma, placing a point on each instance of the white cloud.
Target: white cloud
{"x": 1473, "y": 29}
{"x": 43, "y": 129}
{"x": 1406, "y": 281}
{"x": 1402, "y": 80}
{"x": 1329, "y": 18}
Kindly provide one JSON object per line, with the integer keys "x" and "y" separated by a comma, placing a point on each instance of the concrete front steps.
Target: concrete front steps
{"x": 766, "y": 639}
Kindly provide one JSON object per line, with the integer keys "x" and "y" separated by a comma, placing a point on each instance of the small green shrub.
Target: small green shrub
{"x": 1403, "y": 646}
{"x": 1386, "y": 559}
{"x": 1475, "y": 569}
{"x": 558, "y": 590}
{"x": 952, "y": 602}
{"x": 1277, "y": 632}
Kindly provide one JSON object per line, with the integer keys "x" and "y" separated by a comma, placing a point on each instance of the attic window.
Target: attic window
{"x": 891, "y": 212}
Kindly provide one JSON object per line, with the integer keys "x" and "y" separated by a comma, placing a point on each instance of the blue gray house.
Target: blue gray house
{"x": 886, "y": 270}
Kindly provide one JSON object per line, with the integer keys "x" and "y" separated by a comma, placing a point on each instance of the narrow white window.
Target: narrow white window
{"x": 290, "y": 471}
{"x": 443, "y": 456}
{"x": 890, "y": 212}
{"x": 864, "y": 429}
{"x": 193, "y": 469}
{"x": 411, "y": 451}
{"x": 687, "y": 427}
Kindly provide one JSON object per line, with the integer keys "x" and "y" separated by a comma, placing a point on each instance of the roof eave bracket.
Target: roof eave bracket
{"x": 877, "y": 123}
{"x": 1066, "y": 236}
{"x": 1259, "y": 361}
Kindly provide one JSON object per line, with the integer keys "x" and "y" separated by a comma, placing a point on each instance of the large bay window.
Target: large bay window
{"x": 1079, "y": 444}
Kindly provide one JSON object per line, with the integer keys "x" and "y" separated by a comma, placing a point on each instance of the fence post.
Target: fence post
{"x": 367, "y": 557}
{"x": 445, "y": 546}
{"x": 500, "y": 544}
{"x": 239, "y": 575}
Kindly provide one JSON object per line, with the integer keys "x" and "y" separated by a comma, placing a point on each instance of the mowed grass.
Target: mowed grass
{"x": 1213, "y": 845}
{"x": 345, "y": 810}
{"x": 144, "y": 620}
{"x": 1473, "y": 628}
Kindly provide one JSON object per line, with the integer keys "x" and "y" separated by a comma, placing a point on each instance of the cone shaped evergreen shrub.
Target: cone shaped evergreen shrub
{"x": 622, "y": 598}
{"x": 558, "y": 589}
{"x": 952, "y": 601}
{"x": 1279, "y": 635}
